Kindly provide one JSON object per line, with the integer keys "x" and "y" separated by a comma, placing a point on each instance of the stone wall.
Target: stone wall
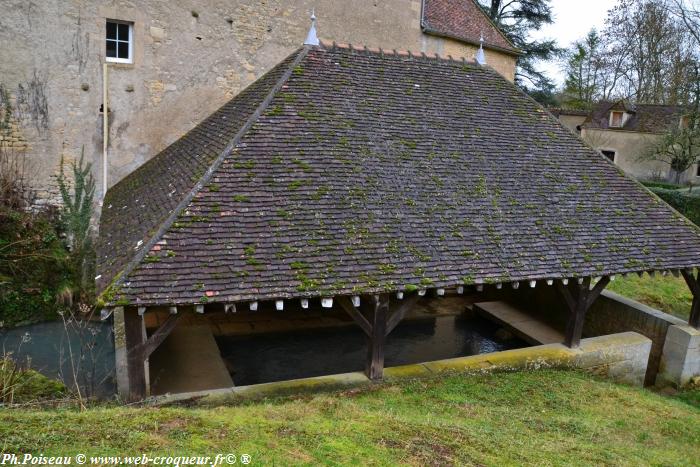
{"x": 630, "y": 148}
{"x": 680, "y": 360}
{"x": 610, "y": 314}
{"x": 613, "y": 313}
{"x": 189, "y": 58}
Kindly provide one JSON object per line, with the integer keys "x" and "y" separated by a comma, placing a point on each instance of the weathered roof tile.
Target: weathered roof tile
{"x": 465, "y": 21}
{"x": 371, "y": 172}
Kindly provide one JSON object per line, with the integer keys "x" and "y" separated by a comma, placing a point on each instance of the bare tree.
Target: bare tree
{"x": 679, "y": 148}
{"x": 648, "y": 52}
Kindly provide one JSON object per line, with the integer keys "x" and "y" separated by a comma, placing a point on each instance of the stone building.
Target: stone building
{"x": 625, "y": 133}
{"x": 164, "y": 66}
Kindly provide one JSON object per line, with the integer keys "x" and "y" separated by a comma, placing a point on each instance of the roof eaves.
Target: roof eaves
{"x": 108, "y": 293}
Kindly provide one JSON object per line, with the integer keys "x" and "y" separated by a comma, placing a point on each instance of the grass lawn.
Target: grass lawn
{"x": 666, "y": 293}
{"x": 538, "y": 417}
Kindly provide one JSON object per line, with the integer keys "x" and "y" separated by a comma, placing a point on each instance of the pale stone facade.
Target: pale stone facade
{"x": 188, "y": 59}
{"x": 629, "y": 148}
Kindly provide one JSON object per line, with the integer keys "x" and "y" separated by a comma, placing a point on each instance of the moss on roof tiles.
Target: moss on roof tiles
{"x": 402, "y": 191}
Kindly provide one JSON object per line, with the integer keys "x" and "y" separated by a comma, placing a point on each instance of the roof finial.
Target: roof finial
{"x": 480, "y": 56}
{"x": 311, "y": 37}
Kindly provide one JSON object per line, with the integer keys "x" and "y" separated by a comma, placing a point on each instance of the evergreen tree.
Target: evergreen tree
{"x": 517, "y": 19}
{"x": 583, "y": 69}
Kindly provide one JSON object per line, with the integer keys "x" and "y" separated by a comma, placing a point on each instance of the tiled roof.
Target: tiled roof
{"x": 645, "y": 118}
{"x": 373, "y": 172}
{"x": 559, "y": 111}
{"x": 463, "y": 20}
{"x": 136, "y": 207}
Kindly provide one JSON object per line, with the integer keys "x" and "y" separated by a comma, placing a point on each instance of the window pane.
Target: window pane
{"x": 123, "y": 49}
{"x": 111, "y": 30}
{"x": 111, "y": 48}
{"x": 123, "y": 32}
{"x": 617, "y": 119}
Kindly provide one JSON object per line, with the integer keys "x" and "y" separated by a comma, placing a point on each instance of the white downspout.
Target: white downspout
{"x": 105, "y": 126}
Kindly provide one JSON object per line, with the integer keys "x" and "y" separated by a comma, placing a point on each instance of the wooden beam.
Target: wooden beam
{"x": 159, "y": 335}
{"x": 574, "y": 326}
{"x": 374, "y": 367}
{"x": 400, "y": 313}
{"x": 694, "y": 286}
{"x": 578, "y": 304}
{"x": 135, "y": 334}
{"x": 355, "y": 314}
{"x": 139, "y": 348}
{"x": 694, "y": 319}
{"x": 596, "y": 291}
{"x": 566, "y": 293}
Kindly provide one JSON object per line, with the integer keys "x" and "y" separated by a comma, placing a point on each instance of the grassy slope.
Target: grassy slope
{"x": 666, "y": 293}
{"x": 509, "y": 418}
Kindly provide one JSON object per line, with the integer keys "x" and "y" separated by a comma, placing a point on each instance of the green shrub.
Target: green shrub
{"x": 668, "y": 186}
{"x": 19, "y": 385}
{"x": 75, "y": 217}
{"x": 685, "y": 203}
{"x": 35, "y": 269}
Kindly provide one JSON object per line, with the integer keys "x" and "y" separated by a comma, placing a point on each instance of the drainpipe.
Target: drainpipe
{"x": 105, "y": 126}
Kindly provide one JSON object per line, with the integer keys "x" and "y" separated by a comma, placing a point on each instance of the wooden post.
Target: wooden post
{"x": 379, "y": 325}
{"x": 135, "y": 333}
{"x": 139, "y": 347}
{"x": 374, "y": 368}
{"x": 693, "y": 282}
{"x": 578, "y": 305}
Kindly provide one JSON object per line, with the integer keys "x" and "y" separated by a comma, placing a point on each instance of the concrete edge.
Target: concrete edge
{"x": 593, "y": 353}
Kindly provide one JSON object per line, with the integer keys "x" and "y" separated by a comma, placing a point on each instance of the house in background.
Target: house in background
{"x": 570, "y": 118}
{"x": 625, "y": 132}
{"x": 164, "y": 66}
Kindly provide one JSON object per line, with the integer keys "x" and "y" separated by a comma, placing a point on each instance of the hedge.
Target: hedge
{"x": 683, "y": 202}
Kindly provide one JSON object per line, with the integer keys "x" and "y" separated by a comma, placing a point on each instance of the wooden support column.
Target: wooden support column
{"x": 139, "y": 347}
{"x": 374, "y": 367}
{"x": 377, "y": 327}
{"x": 578, "y": 303}
{"x": 693, "y": 282}
{"x": 135, "y": 334}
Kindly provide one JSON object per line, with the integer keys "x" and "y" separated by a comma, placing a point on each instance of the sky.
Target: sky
{"x": 572, "y": 20}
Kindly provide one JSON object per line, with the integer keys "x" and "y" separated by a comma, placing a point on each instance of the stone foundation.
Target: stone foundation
{"x": 680, "y": 360}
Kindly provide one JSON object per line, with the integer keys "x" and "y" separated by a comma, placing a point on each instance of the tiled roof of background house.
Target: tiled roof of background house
{"x": 645, "y": 118}
{"x": 465, "y": 21}
{"x": 558, "y": 111}
{"x": 371, "y": 172}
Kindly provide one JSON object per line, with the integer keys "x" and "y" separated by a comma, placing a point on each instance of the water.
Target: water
{"x": 49, "y": 347}
{"x": 301, "y": 354}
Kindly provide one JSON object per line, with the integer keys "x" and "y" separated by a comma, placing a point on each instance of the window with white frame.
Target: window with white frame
{"x": 120, "y": 41}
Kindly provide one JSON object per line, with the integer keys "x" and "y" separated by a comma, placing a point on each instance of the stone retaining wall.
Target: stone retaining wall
{"x": 622, "y": 357}
{"x": 613, "y": 313}
{"x": 680, "y": 360}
